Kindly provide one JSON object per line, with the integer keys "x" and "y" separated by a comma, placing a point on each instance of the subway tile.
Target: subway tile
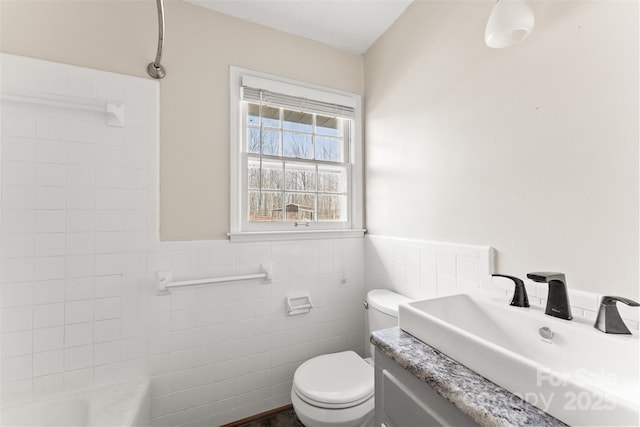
{"x": 18, "y": 149}
{"x": 78, "y": 379}
{"x": 446, "y": 285}
{"x": 16, "y": 368}
{"x": 48, "y": 291}
{"x": 81, "y": 176}
{"x": 48, "y": 315}
{"x": 16, "y": 294}
{"x": 109, "y": 86}
{"x": 16, "y": 343}
{"x": 82, "y": 84}
{"x": 47, "y": 268}
{"x": 107, "y": 286}
{"x": 80, "y": 265}
{"x": 50, "y": 198}
{"x": 80, "y": 243}
{"x": 52, "y": 128}
{"x": 79, "y": 288}
{"x": 109, "y": 199}
{"x": 48, "y": 385}
{"x": 446, "y": 263}
{"x": 584, "y": 300}
{"x": 18, "y": 221}
{"x": 48, "y": 339}
{"x": 108, "y": 242}
{"x": 78, "y": 311}
{"x": 132, "y": 178}
{"x": 107, "y": 308}
{"x": 108, "y": 220}
{"x": 17, "y": 391}
{"x": 51, "y": 77}
{"x": 106, "y": 330}
{"x": 80, "y": 154}
{"x": 80, "y": 221}
{"x": 467, "y": 268}
{"x": 135, "y": 221}
{"x": 20, "y": 125}
{"x": 18, "y": 173}
{"x": 18, "y": 197}
{"x": 110, "y": 177}
{"x": 78, "y": 357}
{"x": 50, "y": 151}
{"x": 19, "y": 245}
{"x": 78, "y": 334}
{"x": 108, "y": 264}
{"x": 109, "y": 156}
{"x": 16, "y": 318}
{"x": 49, "y": 244}
{"x": 50, "y": 221}
{"x": 81, "y": 198}
{"x": 81, "y": 130}
{"x": 47, "y": 363}
{"x": 107, "y": 352}
{"x": 135, "y": 158}
{"x": 51, "y": 174}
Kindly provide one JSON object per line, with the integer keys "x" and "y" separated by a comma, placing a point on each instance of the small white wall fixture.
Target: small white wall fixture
{"x": 510, "y": 22}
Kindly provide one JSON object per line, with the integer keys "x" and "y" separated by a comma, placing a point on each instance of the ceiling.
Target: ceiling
{"x": 351, "y": 25}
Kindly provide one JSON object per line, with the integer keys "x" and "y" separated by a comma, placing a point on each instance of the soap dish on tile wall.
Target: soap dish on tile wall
{"x": 298, "y": 305}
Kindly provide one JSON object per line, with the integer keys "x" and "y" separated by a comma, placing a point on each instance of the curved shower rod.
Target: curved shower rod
{"x": 155, "y": 69}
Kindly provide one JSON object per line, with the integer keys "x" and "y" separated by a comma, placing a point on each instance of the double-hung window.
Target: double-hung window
{"x": 295, "y": 159}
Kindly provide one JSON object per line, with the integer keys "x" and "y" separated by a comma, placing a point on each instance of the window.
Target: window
{"x": 295, "y": 159}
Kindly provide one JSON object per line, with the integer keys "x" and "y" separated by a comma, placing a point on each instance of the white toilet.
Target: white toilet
{"x": 337, "y": 389}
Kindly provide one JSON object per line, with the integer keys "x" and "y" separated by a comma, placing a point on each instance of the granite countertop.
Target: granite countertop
{"x": 485, "y": 402}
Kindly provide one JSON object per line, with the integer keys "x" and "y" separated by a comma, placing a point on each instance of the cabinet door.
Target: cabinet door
{"x": 402, "y": 407}
{"x": 402, "y": 400}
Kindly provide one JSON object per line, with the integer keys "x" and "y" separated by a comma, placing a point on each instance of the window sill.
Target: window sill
{"x": 268, "y": 236}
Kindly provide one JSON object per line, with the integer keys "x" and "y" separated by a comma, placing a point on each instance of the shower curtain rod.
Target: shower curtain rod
{"x": 155, "y": 69}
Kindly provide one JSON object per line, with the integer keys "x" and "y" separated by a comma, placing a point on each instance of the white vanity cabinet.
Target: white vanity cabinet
{"x": 402, "y": 400}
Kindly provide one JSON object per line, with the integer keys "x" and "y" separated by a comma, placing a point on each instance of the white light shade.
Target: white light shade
{"x": 509, "y": 23}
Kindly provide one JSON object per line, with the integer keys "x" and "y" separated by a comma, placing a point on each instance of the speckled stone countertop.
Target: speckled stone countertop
{"x": 485, "y": 402}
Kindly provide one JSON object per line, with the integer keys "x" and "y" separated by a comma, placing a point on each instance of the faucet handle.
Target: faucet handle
{"x": 611, "y": 300}
{"x": 520, "y": 297}
{"x": 608, "y": 319}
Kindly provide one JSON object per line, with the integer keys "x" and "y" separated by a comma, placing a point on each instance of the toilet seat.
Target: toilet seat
{"x": 334, "y": 381}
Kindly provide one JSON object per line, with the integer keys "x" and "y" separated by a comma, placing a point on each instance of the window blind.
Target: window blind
{"x": 296, "y": 103}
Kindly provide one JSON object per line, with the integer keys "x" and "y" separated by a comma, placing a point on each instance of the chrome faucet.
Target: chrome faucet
{"x": 558, "y": 298}
{"x": 520, "y": 298}
{"x": 608, "y": 319}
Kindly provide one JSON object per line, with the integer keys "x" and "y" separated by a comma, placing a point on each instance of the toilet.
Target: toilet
{"x": 338, "y": 389}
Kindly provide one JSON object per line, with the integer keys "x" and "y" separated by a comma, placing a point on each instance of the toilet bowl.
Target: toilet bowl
{"x": 338, "y": 389}
{"x": 334, "y": 390}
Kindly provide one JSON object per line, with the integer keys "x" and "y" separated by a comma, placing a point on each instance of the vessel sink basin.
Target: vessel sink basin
{"x": 580, "y": 375}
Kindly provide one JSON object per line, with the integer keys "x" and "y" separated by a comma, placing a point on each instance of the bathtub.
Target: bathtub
{"x": 121, "y": 404}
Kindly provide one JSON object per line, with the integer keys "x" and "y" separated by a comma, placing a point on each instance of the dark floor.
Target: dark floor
{"x": 281, "y": 419}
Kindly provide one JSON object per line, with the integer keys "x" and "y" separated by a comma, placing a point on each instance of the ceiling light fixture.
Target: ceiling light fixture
{"x": 509, "y": 23}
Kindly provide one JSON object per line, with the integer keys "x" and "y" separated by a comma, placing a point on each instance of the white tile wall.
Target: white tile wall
{"x": 449, "y": 268}
{"x": 79, "y": 253}
{"x": 422, "y": 269}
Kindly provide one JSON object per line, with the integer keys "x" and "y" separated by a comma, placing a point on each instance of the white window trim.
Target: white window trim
{"x": 276, "y": 83}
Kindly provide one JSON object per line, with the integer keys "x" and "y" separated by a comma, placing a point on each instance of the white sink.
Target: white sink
{"x": 581, "y": 376}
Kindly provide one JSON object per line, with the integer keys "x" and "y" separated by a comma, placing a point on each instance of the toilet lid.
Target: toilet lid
{"x": 338, "y": 380}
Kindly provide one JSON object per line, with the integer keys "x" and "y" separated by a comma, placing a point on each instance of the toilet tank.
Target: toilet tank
{"x": 383, "y": 309}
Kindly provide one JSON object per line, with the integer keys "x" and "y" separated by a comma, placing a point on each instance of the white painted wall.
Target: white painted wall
{"x": 200, "y": 45}
{"x": 532, "y": 149}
